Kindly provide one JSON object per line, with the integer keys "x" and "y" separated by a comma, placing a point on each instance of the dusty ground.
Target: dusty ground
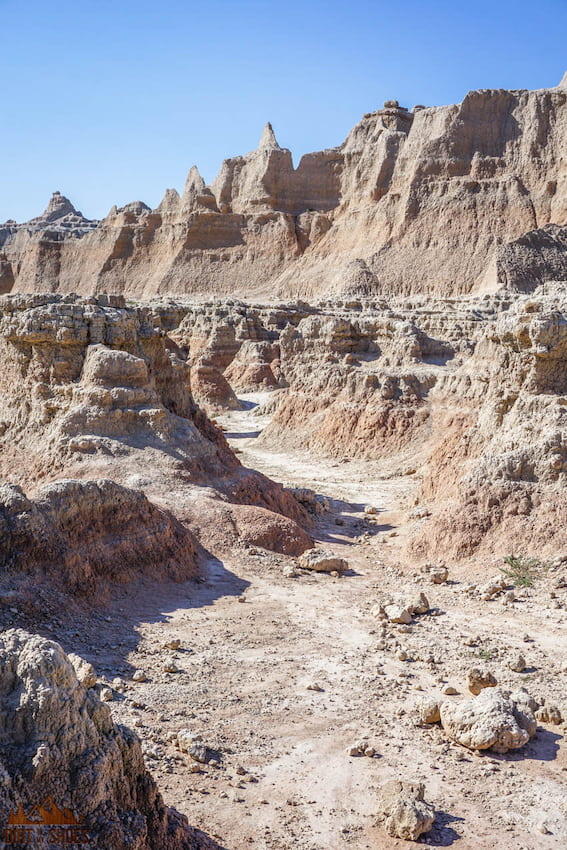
{"x": 245, "y": 667}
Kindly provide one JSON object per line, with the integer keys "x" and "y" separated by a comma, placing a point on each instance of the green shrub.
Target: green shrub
{"x": 521, "y": 570}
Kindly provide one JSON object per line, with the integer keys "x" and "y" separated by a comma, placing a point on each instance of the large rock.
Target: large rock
{"x": 60, "y": 750}
{"x": 322, "y": 561}
{"x": 494, "y": 720}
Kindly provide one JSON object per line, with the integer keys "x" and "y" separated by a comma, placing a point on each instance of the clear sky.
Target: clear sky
{"x": 110, "y": 101}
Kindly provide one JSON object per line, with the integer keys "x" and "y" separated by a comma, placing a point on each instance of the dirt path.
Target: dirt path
{"x": 246, "y": 667}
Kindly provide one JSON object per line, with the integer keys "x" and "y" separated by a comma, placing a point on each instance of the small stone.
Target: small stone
{"x": 106, "y": 695}
{"x": 428, "y": 710}
{"x": 402, "y": 655}
{"x": 404, "y": 811}
{"x": 139, "y": 676}
{"x": 241, "y": 771}
{"x": 438, "y": 573}
{"x": 493, "y": 588}
{"x": 420, "y": 604}
{"x": 289, "y": 571}
{"x": 397, "y": 614}
{"x": 354, "y": 751}
{"x": 186, "y": 738}
{"x": 170, "y": 666}
{"x": 517, "y": 663}
{"x": 174, "y": 644}
{"x": 549, "y": 714}
{"x": 314, "y": 687}
{"x": 195, "y": 768}
{"x": 450, "y": 691}
{"x": 479, "y": 679}
{"x": 242, "y": 598}
{"x": 198, "y": 752}
{"x": 320, "y": 560}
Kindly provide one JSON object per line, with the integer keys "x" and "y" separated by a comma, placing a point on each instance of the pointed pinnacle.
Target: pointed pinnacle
{"x": 268, "y": 138}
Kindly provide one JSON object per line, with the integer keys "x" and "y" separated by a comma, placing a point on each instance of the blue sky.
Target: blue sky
{"x": 111, "y": 102}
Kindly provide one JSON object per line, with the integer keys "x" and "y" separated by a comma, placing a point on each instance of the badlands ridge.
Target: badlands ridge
{"x": 336, "y": 393}
{"x": 441, "y": 200}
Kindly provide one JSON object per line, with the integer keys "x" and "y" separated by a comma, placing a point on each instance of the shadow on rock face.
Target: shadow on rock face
{"x": 67, "y": 766}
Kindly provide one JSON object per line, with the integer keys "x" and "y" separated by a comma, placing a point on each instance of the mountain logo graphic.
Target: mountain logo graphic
{"x": 59, "y": 827}
{"x": 47, "y": 813}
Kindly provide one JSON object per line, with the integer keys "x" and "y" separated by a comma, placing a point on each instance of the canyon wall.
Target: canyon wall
{"x": 465, "y": 395}
{"x": 114, "y": 471}
{"x": 432, "y": 200}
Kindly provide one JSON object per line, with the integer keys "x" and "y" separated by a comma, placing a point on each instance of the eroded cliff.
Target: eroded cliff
{"x": 425, "y": 201}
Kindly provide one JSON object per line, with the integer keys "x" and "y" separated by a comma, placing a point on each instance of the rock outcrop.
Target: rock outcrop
{"x": 87, "y": 535}
{"x": 428, "y": 201}
{"x": 93, "y": 378}
{"x": 467, "y": 393}
{"x": 93, "y": 389}
{"x": 533, "y": 259}
{"x": 66, "y": 765}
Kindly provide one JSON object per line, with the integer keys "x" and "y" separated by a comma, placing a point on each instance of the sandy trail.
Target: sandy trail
{"x": 245, "y": 668}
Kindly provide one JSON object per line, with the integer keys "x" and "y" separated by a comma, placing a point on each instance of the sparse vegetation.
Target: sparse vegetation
{"x": 486, "y": 654}
{"x": 522, "y": 570}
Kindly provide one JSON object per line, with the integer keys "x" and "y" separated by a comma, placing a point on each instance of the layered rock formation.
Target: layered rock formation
{"x": 499, "y": 470}
{"x": 469, "y": 394}
{"x": 95, "y": 378}
{"x": 422, "y": 201}
{"x": 87, "y": 535}
{"x": 92, "y": 388}
{"x": 65, "y": 763}
{"x": 34, "y": 247}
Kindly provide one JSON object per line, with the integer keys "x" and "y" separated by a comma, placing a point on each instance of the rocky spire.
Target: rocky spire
{"x": 194, "y": 185}
{"x": 268, "y": 138}
{"x": 170, "y": 201}
{"x": 563, "y": 83}
{"x": 196, "y": 192}
{"x": 58, "y": 207}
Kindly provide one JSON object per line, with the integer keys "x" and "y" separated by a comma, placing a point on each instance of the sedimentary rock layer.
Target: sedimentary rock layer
{"x": 88, "y": 535}
{"x": 413, "y": 201}
{"x": 90, "y": 388}
{"x": 467, "y": 394}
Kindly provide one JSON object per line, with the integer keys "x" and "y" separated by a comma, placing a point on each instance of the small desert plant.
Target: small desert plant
{"x": 521, "y": 570}
{"x": 486, "y": 654}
